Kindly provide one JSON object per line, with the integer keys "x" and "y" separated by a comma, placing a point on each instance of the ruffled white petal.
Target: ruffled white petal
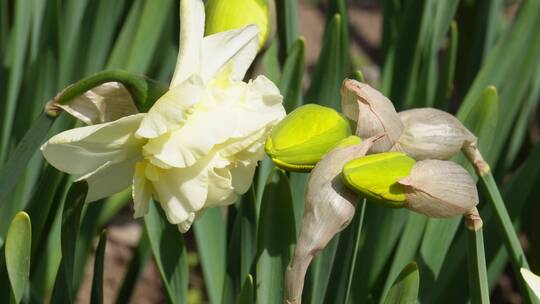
{"x": 238, "y": 47}
{"x": 228, "y": 116}
{"x": 104, "y": 103}
{"x": 191, "y": 37}
{"x": 109, "y": 179}
{"x": 83, "y": 150}
{"x": 170, "y": 111}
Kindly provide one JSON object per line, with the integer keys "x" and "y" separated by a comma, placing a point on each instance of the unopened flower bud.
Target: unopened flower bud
{"x": 300, "y": 140}
{"x": 224, "y": 15}
{"x": 329, "y": 208}
{"x": 376, "y": 176}
{"x": 439, "y": 189}
{"x": 432, "y": 134}
{"x": 372, "y": 111}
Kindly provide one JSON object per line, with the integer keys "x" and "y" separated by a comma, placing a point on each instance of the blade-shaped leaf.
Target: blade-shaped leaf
{"x": 17, "y": 252}
{"x": 210, "y": 234}
{"x": 276, "y": 236}
{"x": 169, "y": 253}
{"x": 405, "y": 288}
{"x": 96, "y": 296}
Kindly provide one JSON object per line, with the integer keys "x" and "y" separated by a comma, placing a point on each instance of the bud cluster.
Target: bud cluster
{"x": 402, "y": 163}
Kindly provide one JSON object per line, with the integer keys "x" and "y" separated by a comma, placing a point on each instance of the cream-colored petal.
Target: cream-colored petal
{"x": 172, "y": 109}
{"x": 533, "y": 281}
{"x": 83, "y": 150}
{"x": 242, "y": 176}
{"x": 238, "y": 47}
{"x": 185, "y": 225}
{"x": 181, "y": 191}
{"x": 191, "y": 37}
{"x": 141, "y": 191}
{"x": 439, "y": 189}
{"x": 220, "y": 188}
{"x": 104, "y": 103}
{"x": 229, "y": 120}
{"x": 109, "y": 179}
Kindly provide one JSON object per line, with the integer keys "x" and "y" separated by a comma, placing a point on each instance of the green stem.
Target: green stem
{"x": 358, "y": 232}
{"x": 510, "y": 237}
{"x": 476, "y": 260}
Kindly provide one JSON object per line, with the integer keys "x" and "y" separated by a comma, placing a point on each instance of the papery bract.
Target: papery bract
{"x": 373, "y": 113}
{"x": 439, "y": 188}
{"x": 432, "y": 134}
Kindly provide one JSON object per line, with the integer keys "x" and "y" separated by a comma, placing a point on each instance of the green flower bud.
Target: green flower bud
{"x": 300, "y": 140}
{"x": 224, "y": 15}
{"x": 376, "y": 176}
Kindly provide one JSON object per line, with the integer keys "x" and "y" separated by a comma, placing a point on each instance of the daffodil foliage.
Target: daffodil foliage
{"x": 392, "y": 170}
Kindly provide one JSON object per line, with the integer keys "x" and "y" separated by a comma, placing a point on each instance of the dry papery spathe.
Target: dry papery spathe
{"x": 439, "y": 189}
{"x": 329, "y": 208}
{"x": 373, "y": 113}
{"x": 432, "y": 134}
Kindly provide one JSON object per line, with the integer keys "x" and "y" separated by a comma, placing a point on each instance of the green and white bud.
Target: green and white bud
{"x": 432, "y": 134}
{"x": 373, "y": 112}
{"x": 224, "y": 15}
{"x": 329, "y": 208}
{"x": 300, "y": 140}
{"x": 376, "y": 177}
{"x": 439, "y": 189}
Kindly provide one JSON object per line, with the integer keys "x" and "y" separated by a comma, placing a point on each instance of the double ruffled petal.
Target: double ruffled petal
{"x": 104, "y": 154}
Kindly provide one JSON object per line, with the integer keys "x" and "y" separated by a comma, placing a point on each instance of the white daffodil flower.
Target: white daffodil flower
{"x": 199, "y": 144}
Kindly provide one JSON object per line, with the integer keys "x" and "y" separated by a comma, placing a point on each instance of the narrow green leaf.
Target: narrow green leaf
{"x": 210, "y": 234}
{"x": 147, "y": 38}
{"x": 71, "y": 218}
{"x": 124, "y": 41}
{"x": 476, "y": 260}
{"x": 276, "y": 237}
{"x": 102, "y": 33}
{"x": 331, "y": 68}
{"x": 247, "y": 294}
{"x": 18, "y": 47}
{"x": 509, "y": 67}
{"x": 270, "y": 63}
{"x": 13, "y": 169}
{"x": 242, "y": 246}
{"x": 405, "y": 288}
{"x": 407, "y": 248}
{"x": 445, "y": 83}
{"x": 96, "y": 296}
{"x": 356, "y": 246}
{"x": 17, "y": 252}
{"x": 287, "y": 26}
{"x": 169, "y": 253}
{"x": 141, "y": 255}
{"x": 290, "y": 83}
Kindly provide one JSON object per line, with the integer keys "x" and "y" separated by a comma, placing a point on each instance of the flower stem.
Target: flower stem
{"x": 476, "y": 259}
{"x": 358, "y": 232}
{"x": 510, "y": 237}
